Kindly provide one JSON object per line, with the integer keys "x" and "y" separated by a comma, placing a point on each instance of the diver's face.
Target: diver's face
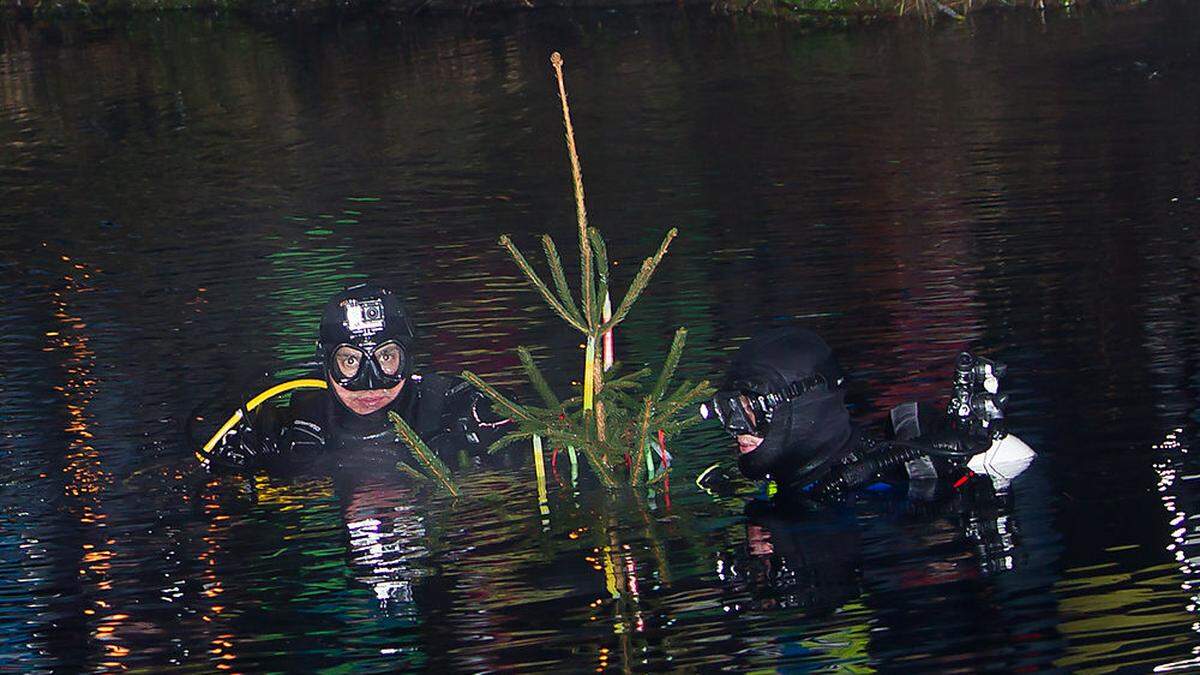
{"x": 367, "y": 401}
{"x": 748, "y": 442}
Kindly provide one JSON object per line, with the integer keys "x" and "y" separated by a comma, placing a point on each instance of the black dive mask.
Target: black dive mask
{"x": 355, "y": 369}
{"x": 742, "y": 410}
{"x": 365, "y": 339}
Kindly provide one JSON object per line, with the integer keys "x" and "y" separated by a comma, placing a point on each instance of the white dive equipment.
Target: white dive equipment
{"x": 1006, "y": 459}
{"x": 977, "y": 408}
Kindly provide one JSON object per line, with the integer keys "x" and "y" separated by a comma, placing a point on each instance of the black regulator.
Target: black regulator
{"x": 976, "y": 405}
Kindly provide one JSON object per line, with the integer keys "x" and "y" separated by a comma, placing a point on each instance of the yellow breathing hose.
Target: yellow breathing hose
{"x": 253, "y": 403}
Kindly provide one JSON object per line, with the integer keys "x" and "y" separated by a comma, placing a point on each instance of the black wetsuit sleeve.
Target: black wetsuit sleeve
{"x": 250, "y": 443}
{"x": 273, "y": 437}
{"x": 468, "y": 421}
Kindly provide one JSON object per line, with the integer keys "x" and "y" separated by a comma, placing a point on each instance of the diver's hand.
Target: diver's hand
{"x": 237, "y": 449}
{"x": 473, "y": 419}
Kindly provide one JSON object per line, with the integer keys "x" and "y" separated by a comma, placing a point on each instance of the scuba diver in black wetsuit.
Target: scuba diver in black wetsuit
{"x": 783, "y": 400}
{"x": 365, "y": 348}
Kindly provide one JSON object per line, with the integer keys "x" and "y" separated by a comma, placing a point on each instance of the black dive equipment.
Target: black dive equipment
{"x": 975, "y": 417}
{"x": 785, "y": 386}
{"x": 365, "y": 339}
{"x": 745, "y": 409}
{"x": 976, "y": 406}
{"x": 354, "y": 368}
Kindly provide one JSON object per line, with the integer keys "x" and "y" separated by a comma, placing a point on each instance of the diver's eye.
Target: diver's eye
{"x": 388, "y": 358}
{"x": 347, "y": 361}
{"x": 747, "y": 408}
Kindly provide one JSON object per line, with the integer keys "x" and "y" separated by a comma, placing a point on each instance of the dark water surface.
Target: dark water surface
{"x": 179, "y": 196}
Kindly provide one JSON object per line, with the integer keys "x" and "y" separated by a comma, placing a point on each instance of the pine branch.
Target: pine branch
{"x": 659, "y": 478}
{"x": 600, "y": 251}
{"x": 680, "y": 399}
{"x": 673, "y": 428}
{"x": 428, "y": 458}
{"x": 537, "y": 380}
{"x": 620, "y": 400}
{"x": 639, "y": 441}
{"x": 560, "y": 277}
{"x": 684, "y": 388}
{"x": 540, "y": 285}
{"x": 540, "y": 413}
{"x": 411, "y": 472}
{"x": 627, "y": 381}
{"x": 508, "y": 439}
{"x": 511, "y": 409}
{"x": 585, "y": 254}
{"x": 639, "y": 282}
{"x": 669, "y": 364}
{"x": 589, "y": 448}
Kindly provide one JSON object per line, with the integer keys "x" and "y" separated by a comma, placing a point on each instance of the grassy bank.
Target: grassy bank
{"x": 873, "y": 10}
{"x": 816, "y": 11}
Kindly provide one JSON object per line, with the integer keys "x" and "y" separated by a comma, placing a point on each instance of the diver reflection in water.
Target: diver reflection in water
{"x": 807, "y": 562}
{"x": 783, "y": 400}
{"x": 365, "y": 350}
{"x": 814, "y": 561}
{"x": 387, "y": 542}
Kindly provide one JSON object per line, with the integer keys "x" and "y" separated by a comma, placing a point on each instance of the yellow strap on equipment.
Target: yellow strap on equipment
{"x": 253, "y": 403}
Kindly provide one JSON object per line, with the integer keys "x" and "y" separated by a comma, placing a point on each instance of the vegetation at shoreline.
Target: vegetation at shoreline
{"x": 848, "y": 11}
{"x": 831, "y": 12}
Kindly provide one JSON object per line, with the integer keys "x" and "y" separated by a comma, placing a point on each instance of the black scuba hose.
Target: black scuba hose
{"x": 850, "y": 476}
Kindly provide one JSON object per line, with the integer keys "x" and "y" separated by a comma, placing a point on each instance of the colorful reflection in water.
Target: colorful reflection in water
{"x": 178, "y": 197}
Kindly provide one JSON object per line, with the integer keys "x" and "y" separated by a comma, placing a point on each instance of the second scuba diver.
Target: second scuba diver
{"x": 783, "y": 400}
{"x": 365, "y": 347}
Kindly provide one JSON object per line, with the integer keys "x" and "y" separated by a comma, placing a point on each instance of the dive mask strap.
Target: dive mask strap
{"x": 827, "y": 375}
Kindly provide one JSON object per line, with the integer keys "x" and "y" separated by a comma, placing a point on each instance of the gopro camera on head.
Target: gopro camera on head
{"x": 365, "y": 316}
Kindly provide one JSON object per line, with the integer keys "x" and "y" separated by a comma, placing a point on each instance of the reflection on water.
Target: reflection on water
{"x": 178, "y": 196}
{"x": 1174, "y": 467}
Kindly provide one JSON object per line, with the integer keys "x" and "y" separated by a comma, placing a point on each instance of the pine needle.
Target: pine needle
{"x": 421, "y": 452}
{"x": 513, "y": 410}
{"x": 600, "y": 251}
{"x": 540, "y": 285}
{"x": 537, "y": 379}
{"x": 560, "y": 277}
{"x": 669, "y": 364}
{"x": 639, "y": 282}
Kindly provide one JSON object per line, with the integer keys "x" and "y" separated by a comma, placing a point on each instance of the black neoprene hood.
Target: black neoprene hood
{"x": 772, "y": 360}
{"x": 365, "y": 316}
{"x": 807, "y": 433}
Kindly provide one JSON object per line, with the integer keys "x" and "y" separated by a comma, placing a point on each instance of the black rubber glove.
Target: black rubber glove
{"x": 470, "y": 419}
{"x": 241, "y": 447}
